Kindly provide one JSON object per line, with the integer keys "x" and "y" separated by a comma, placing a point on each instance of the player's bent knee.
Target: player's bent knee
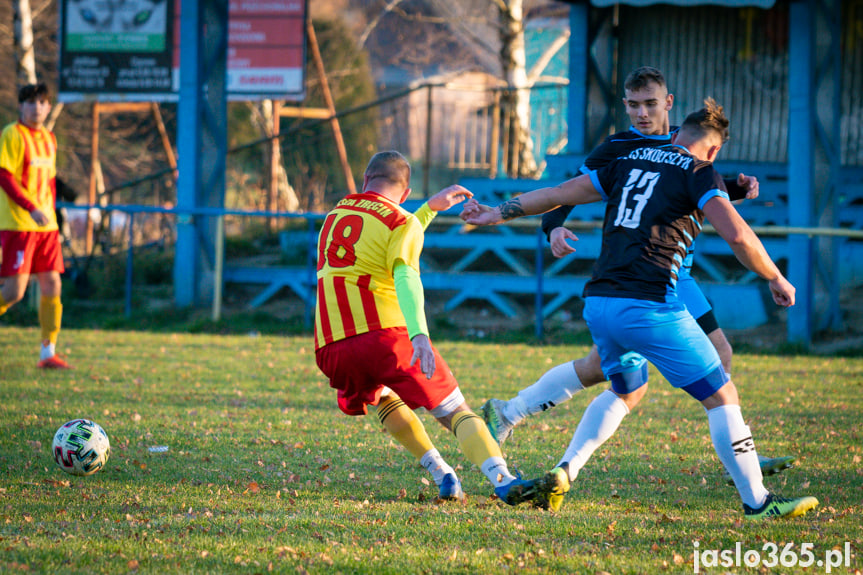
{"x": 449, "y": 404}
{"x": 589, "y": 370}
{"x": 707, "y": 385}
{"x": 13, "y": 298}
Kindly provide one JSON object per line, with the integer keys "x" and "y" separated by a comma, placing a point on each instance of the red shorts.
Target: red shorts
{"x": 360, "y": 366}
{"x": 30, "y": 253}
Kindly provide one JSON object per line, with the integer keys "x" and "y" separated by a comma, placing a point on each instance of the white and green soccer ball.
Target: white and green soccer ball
{"x": 81, "y": 447}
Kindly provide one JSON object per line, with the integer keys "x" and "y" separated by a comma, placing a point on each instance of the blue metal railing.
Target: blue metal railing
{"x": 132, "y": 210}
{"x": 469, "y": 284}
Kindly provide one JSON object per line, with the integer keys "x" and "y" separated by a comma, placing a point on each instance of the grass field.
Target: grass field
{"x": 263, "y": 473}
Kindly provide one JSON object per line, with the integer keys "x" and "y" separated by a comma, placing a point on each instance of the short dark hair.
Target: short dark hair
{"x": 390, "y": 166}
{"x": 31, "y": 91}
{"x": 709, "y": 118}
{"x": 640, "y": 77}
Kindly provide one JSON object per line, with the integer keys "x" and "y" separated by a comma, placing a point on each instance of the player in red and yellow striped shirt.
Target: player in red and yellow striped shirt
{"x": 28, "y": 224}
{"x": 371, "y": 332}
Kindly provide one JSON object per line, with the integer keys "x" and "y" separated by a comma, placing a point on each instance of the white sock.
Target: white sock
{"x": 556, "y": 385}
{"x": 599, "y": 422}
{"x": 435, "y": 464}
{"x": 47, "y": 351}
{"x": 732, "y": 441}
{"x": 497, "y": 472}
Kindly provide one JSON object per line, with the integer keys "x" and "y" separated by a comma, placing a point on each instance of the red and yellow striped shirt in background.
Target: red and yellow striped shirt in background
{"x": 30, "y": 156}
{"x": 359, "y": 243}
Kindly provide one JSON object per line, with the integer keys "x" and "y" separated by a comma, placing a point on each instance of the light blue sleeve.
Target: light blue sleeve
{"x": 709, "y": 195}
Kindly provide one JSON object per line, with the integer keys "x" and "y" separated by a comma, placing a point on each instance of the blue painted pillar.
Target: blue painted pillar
{"x": 186, "y": 254}
{"x": 578, "y": 70}
{"x": 201, "y": 142}
{"x": 801, "y": 167}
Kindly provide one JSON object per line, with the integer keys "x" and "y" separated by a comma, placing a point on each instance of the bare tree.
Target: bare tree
{"x": 520, "y": 160}
{"x": 25, "y": 60}
{"x": 489, "y": 35}
{"x": 264, "y": 119}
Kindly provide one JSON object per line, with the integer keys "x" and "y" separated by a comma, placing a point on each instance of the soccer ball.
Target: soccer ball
{"x": 81, "y": 447}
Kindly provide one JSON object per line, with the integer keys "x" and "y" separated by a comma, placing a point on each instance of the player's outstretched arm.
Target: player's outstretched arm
{"x": 572, "y": 192}
{"x": 748, "y": 248}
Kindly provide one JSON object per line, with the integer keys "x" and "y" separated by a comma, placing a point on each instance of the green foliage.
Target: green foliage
{"x": 254, "y": 240}
{"x": 264, "y": 473}
{"x": 154, "y": 267}
{"x": 106, "y": 275}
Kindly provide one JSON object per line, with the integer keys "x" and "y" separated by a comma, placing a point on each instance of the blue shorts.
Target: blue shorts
{"x": 690, "y": 294}
{"x": 665, "y": 334}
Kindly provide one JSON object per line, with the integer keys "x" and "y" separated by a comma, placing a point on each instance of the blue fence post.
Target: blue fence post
{"x": 311, "y": 268}
{"x": 130, "y": 263}
{"x": 538, "y": 300}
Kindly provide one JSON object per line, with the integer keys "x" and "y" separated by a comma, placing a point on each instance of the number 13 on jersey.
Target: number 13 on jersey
{"x": 630, "y": 217}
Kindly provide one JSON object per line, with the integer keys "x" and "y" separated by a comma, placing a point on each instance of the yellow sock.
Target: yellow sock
{"x": 50, "y": 314}
{"x": 474, "y": 438}
{"x": 3, "y": 305}
{"x": 404, "y": 425}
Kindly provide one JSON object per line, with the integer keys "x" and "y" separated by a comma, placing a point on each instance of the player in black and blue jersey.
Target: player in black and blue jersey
{"x": 657, "y": 199}
{"x": 647, "y": 103}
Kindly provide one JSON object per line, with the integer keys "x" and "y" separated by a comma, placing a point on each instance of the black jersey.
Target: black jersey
{"x": 653, "y": 214}
{"x": 613, "y": 147}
